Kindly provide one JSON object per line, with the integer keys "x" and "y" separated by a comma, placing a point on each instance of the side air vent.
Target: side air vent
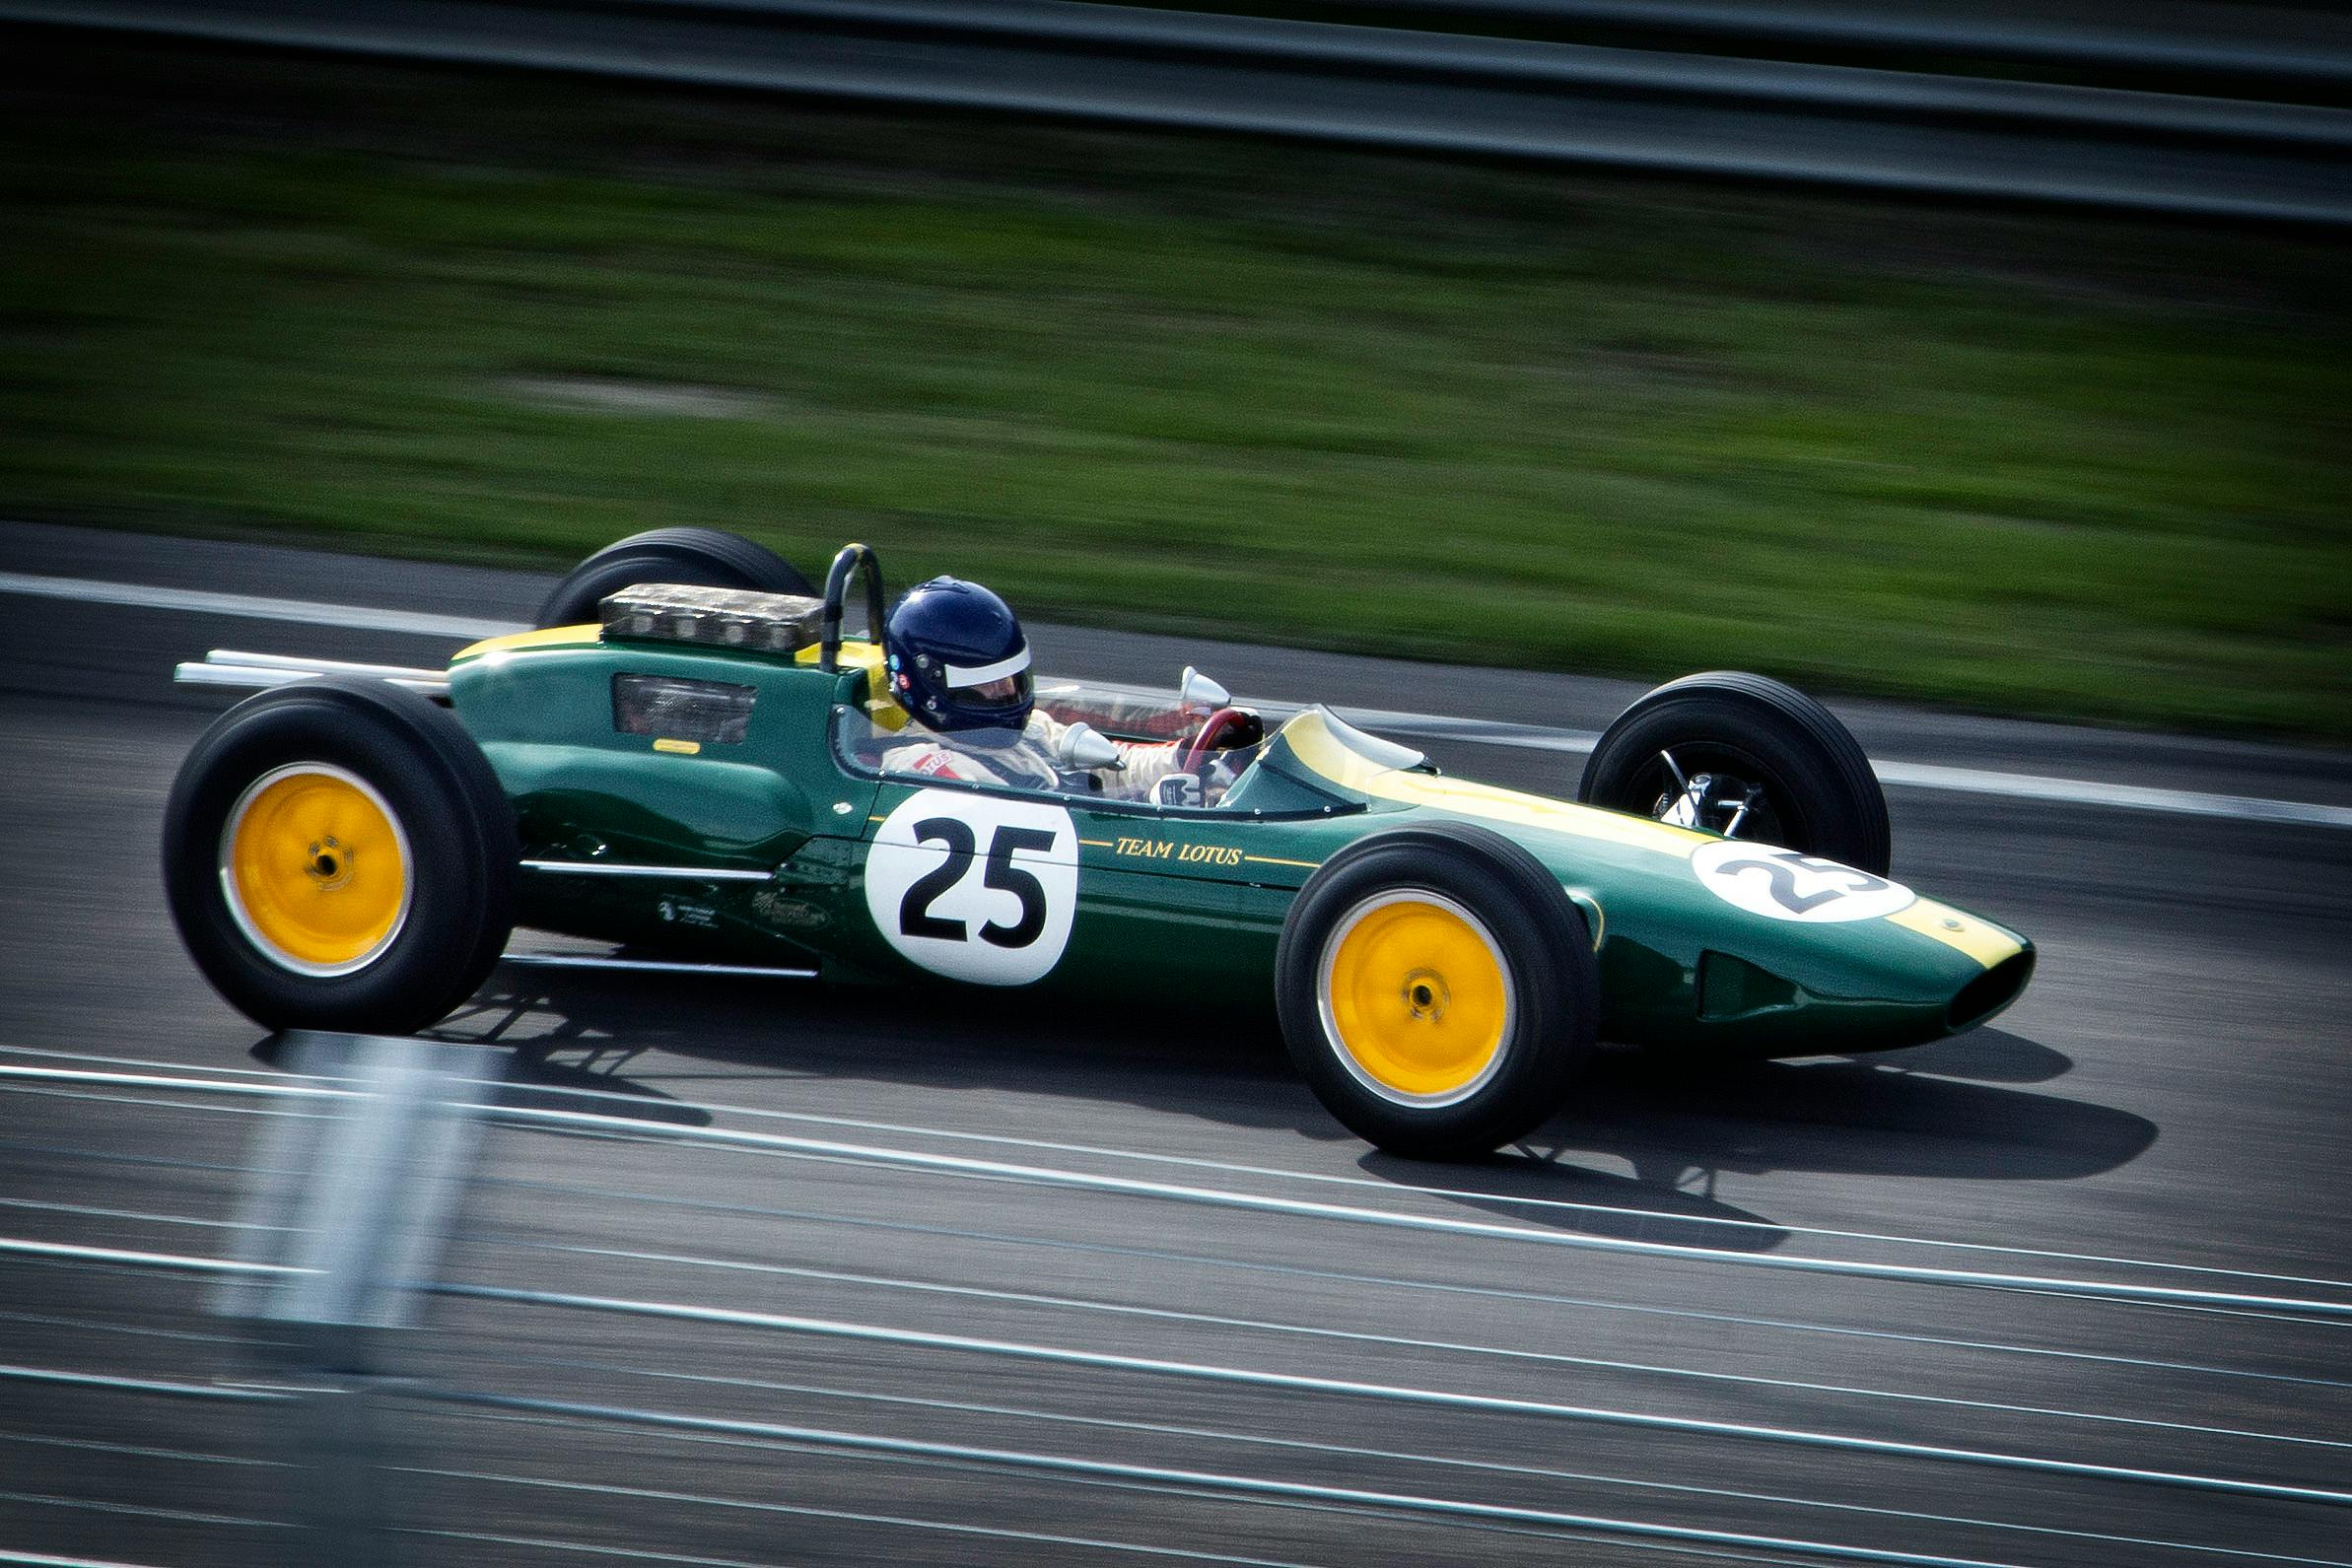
{"x": 1733, "y": 988}
{"x": 1991, "y": 991}
{"x": 715, "y": 713}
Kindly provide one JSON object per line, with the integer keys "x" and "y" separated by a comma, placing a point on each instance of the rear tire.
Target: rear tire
{"x": 338, "y": 854}
{"x": 1819, "y": 794}
{"x": 705, "y": 557}
{"x": 1438, "y": 990}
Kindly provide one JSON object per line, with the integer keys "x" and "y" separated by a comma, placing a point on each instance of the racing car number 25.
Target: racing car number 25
{"x": 975, "y": 887}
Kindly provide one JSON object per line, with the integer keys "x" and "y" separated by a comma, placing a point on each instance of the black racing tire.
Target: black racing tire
{"x": 705, "y": 557}
{"x": 1820, "y": 795}
{"x": 1334, "y": 956}
{"x": 242, "y": 839}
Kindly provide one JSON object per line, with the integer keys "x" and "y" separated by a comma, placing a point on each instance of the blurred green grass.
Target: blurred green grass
{"x": 2053, "y": 465}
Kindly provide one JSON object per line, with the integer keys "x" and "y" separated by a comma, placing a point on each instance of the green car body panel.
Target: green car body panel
{"x": 1703, "y": 943}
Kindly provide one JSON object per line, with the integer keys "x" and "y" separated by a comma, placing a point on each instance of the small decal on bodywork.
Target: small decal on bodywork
{"x": 1181, "y": 854}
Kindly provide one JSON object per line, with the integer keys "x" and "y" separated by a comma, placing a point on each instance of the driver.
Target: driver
{"x": 956, "y": 660}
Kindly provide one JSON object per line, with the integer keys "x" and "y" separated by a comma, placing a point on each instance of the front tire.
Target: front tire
{"x": 705, "y": 557}
{"x": 338, "y": 854}
{"x": 1438, "y": 990}
{"x": 1814, "y": 791}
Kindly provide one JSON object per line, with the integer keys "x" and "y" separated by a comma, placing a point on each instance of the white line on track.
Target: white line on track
{"x": 1904, "y": 775}
{"x": 1080, "y": 1304}
{"x": 1544, "y": 1298}
{"x": 87, "y": 1211}
{"x": 1696, "y": 1222}
{"x": 1607, "y": 1211}
{"x": 781, "y": 1146}
{"x": 101, "y": 1379}
{"x": 1223, "y": 1436}
{"x": 11, "y": 1078}
{"x": 1205, "y": 1261}
{"x": 1221, "y": 1197}
{"x": 2121, "y": 797}
{"x": 254, "y": 607}
{"x": 1221, "y": 1167}
{"x": 607, "y": 1488}
{"x": 86, "y": 1445}
{"x": 178, "y": 1262}
{"x": 1347, "y": 1499}
{"x": 1392, "y": 1393}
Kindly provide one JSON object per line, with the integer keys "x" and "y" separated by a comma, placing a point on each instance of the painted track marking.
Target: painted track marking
{"x": 1224, "y": 1168}
{"x": 786, "y": 1146}
{"x": 255, "y": 607}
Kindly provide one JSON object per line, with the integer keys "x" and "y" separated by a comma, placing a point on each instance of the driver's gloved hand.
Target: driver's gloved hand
{"x": 1225, "y": 769}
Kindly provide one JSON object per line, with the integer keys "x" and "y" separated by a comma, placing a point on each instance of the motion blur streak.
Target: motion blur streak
{"x": 1388, "y": 87}
{"x": 1396, "y": 1282}
{"x": 1505, "y": 1352}
{"x": 1511, "y": 1199}
{"x": 1393, "y": 1392}
{"x": 513, "y": 1087}
{"x": 1254, "y": 1440}
{"x": 782, "y": 1145}
{"x": 179, "y": 1262}
{"x": 1223, "y": 1482}
{"x": 703, "y": 1500}
{"x": 94, "y": 1379}
{"x": 608, "y": 1197}
{"x": 255, "y": 607}
{"x": 1218, "y": 1198}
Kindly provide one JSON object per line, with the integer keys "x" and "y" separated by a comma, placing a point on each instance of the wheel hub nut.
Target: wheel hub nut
{"x": 1426, "y": 994}
{"x": 330, "y": 863}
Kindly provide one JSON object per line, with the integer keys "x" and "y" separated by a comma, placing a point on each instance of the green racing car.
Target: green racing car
{"x": 689, "y": 758}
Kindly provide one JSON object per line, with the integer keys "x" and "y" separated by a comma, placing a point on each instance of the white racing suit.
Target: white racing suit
{"x": 1032, "y": 762}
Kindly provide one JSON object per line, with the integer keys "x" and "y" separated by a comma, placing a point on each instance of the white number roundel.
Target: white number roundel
{"x": 975, "y": 887}
{"x": 1783, "y": 885}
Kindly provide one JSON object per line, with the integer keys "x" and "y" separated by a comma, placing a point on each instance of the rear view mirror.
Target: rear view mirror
{"x": 1195, "y": 693}
{"x": 1082, "y": 748}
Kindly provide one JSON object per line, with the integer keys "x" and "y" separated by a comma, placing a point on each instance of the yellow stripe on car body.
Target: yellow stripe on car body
{"x": 584, "y": 635}
{"x": 1311, "y": 741}
{"x": 1981, "y": 940}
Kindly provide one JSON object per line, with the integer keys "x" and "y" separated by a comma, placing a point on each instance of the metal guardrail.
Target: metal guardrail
{"x": 2205, "y": 41}
{"x": 1638, "y": 110}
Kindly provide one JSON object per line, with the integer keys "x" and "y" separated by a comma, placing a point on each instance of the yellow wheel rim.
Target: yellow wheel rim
{"x": 1415, "y": 998}
{"x": 316, "y": 869}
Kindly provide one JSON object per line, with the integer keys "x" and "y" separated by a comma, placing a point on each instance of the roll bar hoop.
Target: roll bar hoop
{"x": 852, "y": 558}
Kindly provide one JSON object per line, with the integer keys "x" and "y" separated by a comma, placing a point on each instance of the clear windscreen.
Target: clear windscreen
{"x": 1124, "y": 712}
{"x": 896, "y": 747}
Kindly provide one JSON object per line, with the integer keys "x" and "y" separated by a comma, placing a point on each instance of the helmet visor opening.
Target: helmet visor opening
{"x": 1006, "y": 693}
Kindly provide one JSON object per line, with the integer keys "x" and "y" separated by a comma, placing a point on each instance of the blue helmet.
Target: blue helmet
{"x": 956, "y": 659}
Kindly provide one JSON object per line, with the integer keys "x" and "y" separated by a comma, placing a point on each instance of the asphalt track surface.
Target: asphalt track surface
{"x": 1563, "y": 1354}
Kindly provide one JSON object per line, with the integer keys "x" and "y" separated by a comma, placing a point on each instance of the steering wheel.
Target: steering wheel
{"x": 1241, "y": 725}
